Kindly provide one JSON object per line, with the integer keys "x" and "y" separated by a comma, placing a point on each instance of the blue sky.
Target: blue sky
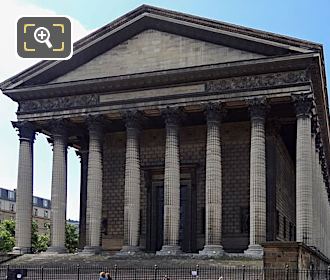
{"x": 305, "y": 19}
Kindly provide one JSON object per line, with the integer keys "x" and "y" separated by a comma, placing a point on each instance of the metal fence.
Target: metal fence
{"x": 160, "y": 273}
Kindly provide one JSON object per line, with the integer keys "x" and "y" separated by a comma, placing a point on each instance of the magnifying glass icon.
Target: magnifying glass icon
{"x": 41, "y": 35}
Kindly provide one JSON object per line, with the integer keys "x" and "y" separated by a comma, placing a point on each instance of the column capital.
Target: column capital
{"x": 214, "y": 111}
{"x": 133, "y": 119}
{"x": 303, "y": 104}
{"x": 257, "y": 107}
{"x": 172, "y": 115}
{"x": 59, "y": 127}
{"x": 95, "y": 125}
{"x": 26, "y": 130}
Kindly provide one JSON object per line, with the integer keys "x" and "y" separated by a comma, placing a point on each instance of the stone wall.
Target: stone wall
{"x": 153, "y": 50}
{"x": 235, "y": 149}
{"x": 295, "y": 255}
{"x": 285, "y": 194}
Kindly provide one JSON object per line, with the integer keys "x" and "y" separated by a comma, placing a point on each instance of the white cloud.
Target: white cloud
{"x": 11, "y": 64}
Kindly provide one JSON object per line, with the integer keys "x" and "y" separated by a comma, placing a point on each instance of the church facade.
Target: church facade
{"x": 195, "y": 136}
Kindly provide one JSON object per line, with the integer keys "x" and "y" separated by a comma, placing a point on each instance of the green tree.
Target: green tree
{"x": 7, "y": 235}
{"x": 40, "y": 242}
{"x": 71, "y": 238}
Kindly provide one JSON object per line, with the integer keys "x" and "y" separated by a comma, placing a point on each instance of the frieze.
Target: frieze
{"x": 58, "y": 103}
{"x": 258, "y": 81}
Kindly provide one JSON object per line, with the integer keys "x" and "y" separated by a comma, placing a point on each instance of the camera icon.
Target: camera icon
{"x": 44, "y": 37}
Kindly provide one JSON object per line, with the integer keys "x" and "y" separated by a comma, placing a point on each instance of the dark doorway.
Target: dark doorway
{"x": 155, "y": 220}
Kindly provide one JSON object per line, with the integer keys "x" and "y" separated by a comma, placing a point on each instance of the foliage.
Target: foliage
{"x": 40, "y": 242}
{"x": 7, "y": 235}
{"x": 71, "y": 238}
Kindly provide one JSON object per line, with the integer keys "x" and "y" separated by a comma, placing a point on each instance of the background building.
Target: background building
{"x": 41, "y": 208}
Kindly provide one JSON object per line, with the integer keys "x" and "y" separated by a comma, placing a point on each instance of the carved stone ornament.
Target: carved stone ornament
{"x": 315, "y": 125}
{"x": 58, "y": 103}
{"x": 318, "y": 141}
{"x": 303, "y": 104}
{"x": 257, "y": 107}
{"x": 214, "y": 111}
{"x": 95, "y": 125}
{"x": 172, "y": 115}
{"x": 133, "y": 119}
{"x": 258, "y": 81}
{"x": 26, "y": 131}
{"x": 59, "y": 127}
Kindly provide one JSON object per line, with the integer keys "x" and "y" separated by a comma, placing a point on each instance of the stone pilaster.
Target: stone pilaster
{"x": 213, "y": 184}
{"x": 24, "y": 191}
{"x": 171, "y": 185}
{"x": 132, "y": 184}
{"x": 257, "y": 108}
{"x": 59, "y": 187}
{"x": 83, "y": 155}
{"x": 94, "y": 186}
{"x": 304, "y": 219}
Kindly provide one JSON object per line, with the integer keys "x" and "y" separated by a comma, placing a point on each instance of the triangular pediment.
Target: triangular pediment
{"x": 153, "y": 50}
{"x": 151, "y": 39}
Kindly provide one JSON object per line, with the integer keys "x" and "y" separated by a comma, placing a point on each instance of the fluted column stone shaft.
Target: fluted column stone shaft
{"x": 132, "y": 184}
{"x": 171, "y": 185}
{"x": 257, "y": 109}
{"x": 213, "y": 184}
{"x": 24, "y": 191}
{"x": 94, "y": 187}
{"x": 59, "y": 188}
{"x": 304, "y": 218}
{"x": 83, "y": 154}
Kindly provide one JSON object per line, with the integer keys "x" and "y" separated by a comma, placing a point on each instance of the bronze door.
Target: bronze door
{"x": 156, "y": 217}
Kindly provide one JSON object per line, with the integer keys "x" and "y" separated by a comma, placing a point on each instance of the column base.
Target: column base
{"x": 56, "y": 250}
{"x": 254, "y": 251}
{"x": 129, "y": 251}
{"x": 212, "y": 251}
{"x": 21, "y": 250}
{"x": 91, "y": 250}
{"x": 169, "y": 250}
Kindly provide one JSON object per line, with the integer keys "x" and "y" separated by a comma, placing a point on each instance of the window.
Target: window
{"x": 45, "y": 203}
{"x": 11, "y": 195}
{"x": 46, "y": 214}
{"x": 35, "y": 212}
{"x": 35, "y": 200}
{"x": 12, "y": 207}
{"x": 284, "y": 227}
{"x": 0, "y": 204}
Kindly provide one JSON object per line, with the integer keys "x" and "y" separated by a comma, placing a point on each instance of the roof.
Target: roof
{"x": 146, "y": 17}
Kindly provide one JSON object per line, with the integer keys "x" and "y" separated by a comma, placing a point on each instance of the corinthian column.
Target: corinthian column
{"x": 94, "y": 186}
{"x": 132, "y": 185}
{"x": 59, "y": 187}
{"x": 83, "y": 155}
{"x": 213, "y": 184}
{"x": 171, "y": 185}
{"x": 24, "y": 191}
{"x": 304, "y": 219}
{"x": 257, "y": 108}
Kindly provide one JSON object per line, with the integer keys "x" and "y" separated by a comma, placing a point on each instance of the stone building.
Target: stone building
{"x": 194, "y": 136}
{"x": 40, "y": 211}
